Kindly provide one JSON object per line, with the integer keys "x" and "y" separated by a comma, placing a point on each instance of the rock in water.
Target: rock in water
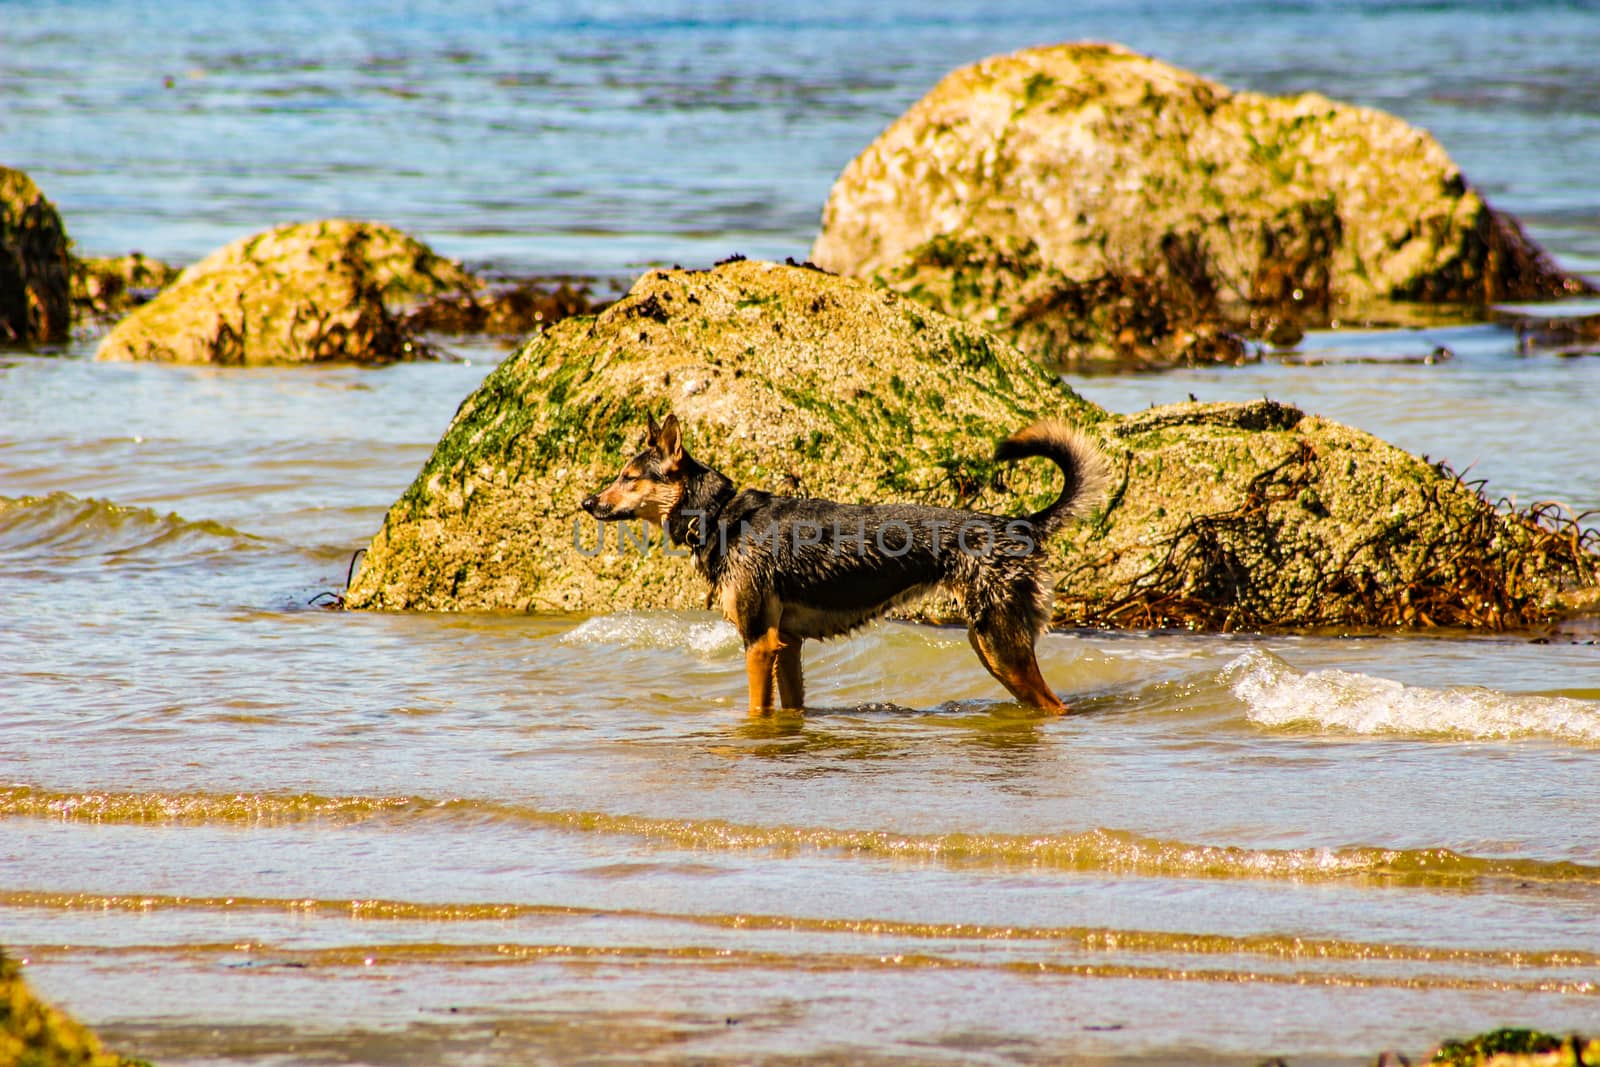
{"x": 35, "y": 266}
{"x": 1512, "y": 1047}
{"x": 34, "y": 1034}
{"x": 330, "y": 290}
{"x": 104, "y": 287}
{"x": 1092, "y": 204}
{"x": 1258, "y": 516}
{"x": 805, "y": 383}
{"x": 786, "y": 378}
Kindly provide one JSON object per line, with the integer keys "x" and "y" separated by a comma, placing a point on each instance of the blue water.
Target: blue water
{"x": 607, "y": 137}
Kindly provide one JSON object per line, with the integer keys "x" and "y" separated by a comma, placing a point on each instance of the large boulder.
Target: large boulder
{"x": 330, "y": 290}
{"x": 786, "y": 378}
{"x": 802, "y": 382}
{"x": 35, "y": 265}
{"x": 1094, "y": 204}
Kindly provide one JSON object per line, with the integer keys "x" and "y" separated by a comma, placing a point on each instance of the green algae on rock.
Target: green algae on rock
{"x": 1092, "y": 204}
{"x": 35, "y": 264}
{"x": 1258, "y": 516}
{"x": 1517, "y": 1048}
{"x": 107, "y": 286}
{"x": 786, "y": 378}
{"x": 33, "y": 1034}
{"x": 330, "y": 290}
{"x": 801, "y": 382}
{"x": 1497, "y": 1048}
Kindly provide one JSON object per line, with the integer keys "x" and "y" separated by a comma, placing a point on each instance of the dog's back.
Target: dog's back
{"x": 833, "y": 567}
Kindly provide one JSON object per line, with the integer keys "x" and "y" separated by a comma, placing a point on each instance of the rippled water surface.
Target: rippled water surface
{"x": 235, "y": 828}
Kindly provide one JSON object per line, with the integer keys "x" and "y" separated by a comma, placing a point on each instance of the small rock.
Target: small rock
{"x": 104, "y": 287}
{"x": 331, "y": 290}
{"x": 35, "y": 267}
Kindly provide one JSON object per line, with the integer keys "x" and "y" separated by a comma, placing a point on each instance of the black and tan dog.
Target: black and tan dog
{"x": 783, "y": 569}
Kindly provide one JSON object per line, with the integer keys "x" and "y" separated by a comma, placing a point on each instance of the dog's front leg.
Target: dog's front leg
{"x": 789, "y": 674}
{"x": 759, "y": 657}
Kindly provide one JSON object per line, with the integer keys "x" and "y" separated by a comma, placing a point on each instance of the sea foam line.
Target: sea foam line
{"x": 1101, "y": 939}
{"x": 655, "y": 631}
{"x": 1275, "y": 694}
{"x": 1090, "y": 851}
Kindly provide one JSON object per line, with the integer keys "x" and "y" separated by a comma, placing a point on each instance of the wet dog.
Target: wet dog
{"x": 784, "y": 569}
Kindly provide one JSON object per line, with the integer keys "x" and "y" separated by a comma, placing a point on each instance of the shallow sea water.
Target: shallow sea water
{"x": 238, "y": 829}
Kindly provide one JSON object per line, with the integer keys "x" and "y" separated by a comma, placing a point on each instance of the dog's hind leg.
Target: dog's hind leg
{"x": 1010, "y": 658}
{"x": 760, "y": 665}
{"x": 790, "y": 677}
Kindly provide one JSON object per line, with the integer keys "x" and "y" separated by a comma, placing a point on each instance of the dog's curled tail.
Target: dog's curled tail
{"x": 1087, "y": 471}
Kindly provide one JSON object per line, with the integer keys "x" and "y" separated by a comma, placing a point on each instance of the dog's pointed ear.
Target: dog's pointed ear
{"x": 652, "y": 431}
{"x": 669, "y": 442}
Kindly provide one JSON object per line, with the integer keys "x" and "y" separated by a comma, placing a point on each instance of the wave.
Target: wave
{"x": 647, "y": 630}
{"x": 1102, "y": 851}
{"x": 65, "y": 526}
{"x": 1085, "y": 938}
{"x": 1275, "y": 694}
{"x": 715, "y": 637}
{"x": 388, "y": 954}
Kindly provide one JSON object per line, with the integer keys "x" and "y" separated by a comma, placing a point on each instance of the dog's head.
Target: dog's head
{"x": 650, "y": 484}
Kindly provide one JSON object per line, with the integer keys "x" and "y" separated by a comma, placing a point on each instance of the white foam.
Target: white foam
{"x": 655, "y": 631}
{"x": 1275, "y": 694}
{"x": 714, "y": 638}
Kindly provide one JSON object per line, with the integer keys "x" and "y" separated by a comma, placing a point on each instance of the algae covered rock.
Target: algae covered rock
{"x": 35, "y": 266}
{"x": 330, "y": 290}
{"x": 106, "y": 286}
{"x": 1518, "y": 1048}
{"x": 1091, "y": 203}
{"x": 33, "y": 1034}
{"x": 786, "y": 378}
{"x": 805, "y": 383}
{"x": 1258, "y": 516}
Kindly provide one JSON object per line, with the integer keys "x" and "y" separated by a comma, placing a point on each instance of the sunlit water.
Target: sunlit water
{"x": 235, "y": 828}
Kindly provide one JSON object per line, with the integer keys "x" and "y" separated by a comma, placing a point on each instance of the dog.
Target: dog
{"x": 787, "y": 569}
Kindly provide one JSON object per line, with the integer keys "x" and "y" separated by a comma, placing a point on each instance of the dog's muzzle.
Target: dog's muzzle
{"x": 603, "y": 511}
